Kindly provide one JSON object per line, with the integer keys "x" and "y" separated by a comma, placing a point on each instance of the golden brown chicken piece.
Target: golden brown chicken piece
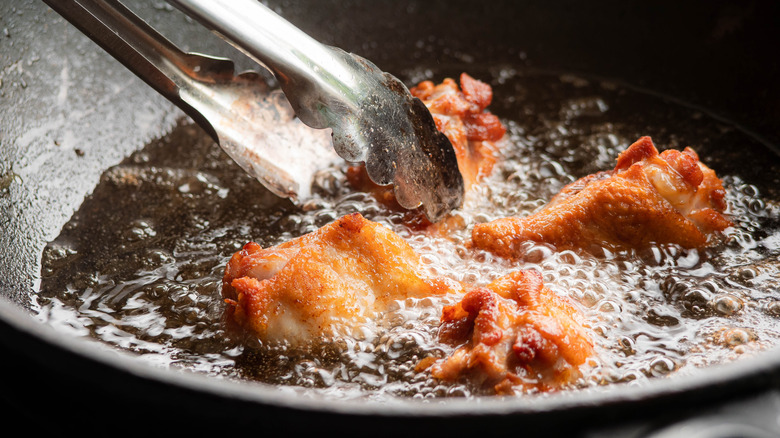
{"x": 335, "y": 280}
{"x": 516, "y": 333}
{"x": 326, "y": 283}
{"x": 648, "y": 198}
{"x": 460, "y": 114}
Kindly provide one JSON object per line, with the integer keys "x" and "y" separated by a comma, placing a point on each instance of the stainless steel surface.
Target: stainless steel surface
{"x": 373, "y": 116}
{"x": 252, "y": 123}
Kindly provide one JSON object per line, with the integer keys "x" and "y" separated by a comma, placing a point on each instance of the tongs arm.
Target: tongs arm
{"x": 314, "y": 77}
{"x": 373, "y": 116}
{"x": 247, "y": 119}
{"x": 144, "y": 51}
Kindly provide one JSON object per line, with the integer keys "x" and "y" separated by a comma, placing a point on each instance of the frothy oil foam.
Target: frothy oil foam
{"x": 139, "y": 266}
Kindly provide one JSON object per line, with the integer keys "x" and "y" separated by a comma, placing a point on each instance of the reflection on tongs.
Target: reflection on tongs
{"x": 372, "y": 116}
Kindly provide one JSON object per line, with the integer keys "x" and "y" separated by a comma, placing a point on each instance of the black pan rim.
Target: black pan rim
{"x": 724, "y": 380}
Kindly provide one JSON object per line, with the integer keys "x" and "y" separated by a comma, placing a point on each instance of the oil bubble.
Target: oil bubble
{"x": 726, "y": 304}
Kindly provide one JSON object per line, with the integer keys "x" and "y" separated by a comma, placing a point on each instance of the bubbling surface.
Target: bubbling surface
{"x": 139, "y": 265}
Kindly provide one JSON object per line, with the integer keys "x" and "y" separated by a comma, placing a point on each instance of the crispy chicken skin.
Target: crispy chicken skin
{"x": 326, "y": 283}
{"x": 460, "y": 114}
{"x": 648, "y": 198}
{"x": 333, "y": 281}
{"x": 515, "y": 333}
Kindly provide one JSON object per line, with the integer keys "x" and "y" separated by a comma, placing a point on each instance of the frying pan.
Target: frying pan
{"x": 68, "y": 112}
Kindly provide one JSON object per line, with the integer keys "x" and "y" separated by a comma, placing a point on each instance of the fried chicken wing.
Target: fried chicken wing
{"x": 460, "y": 114}
{"x": 648, "y": 198}
{"x": 326, "y": 283}
{"x": 335, "y": 280}
{"x": 515, "y": 333}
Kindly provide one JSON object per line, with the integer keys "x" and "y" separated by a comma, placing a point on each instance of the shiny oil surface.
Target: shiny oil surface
{"x": 139, "y": 265}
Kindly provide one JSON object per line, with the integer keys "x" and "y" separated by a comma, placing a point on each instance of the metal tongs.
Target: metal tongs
{"x": 373, "y": 117}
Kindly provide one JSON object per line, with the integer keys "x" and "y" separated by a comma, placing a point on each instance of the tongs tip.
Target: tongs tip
{"x": 401, "y": 145}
